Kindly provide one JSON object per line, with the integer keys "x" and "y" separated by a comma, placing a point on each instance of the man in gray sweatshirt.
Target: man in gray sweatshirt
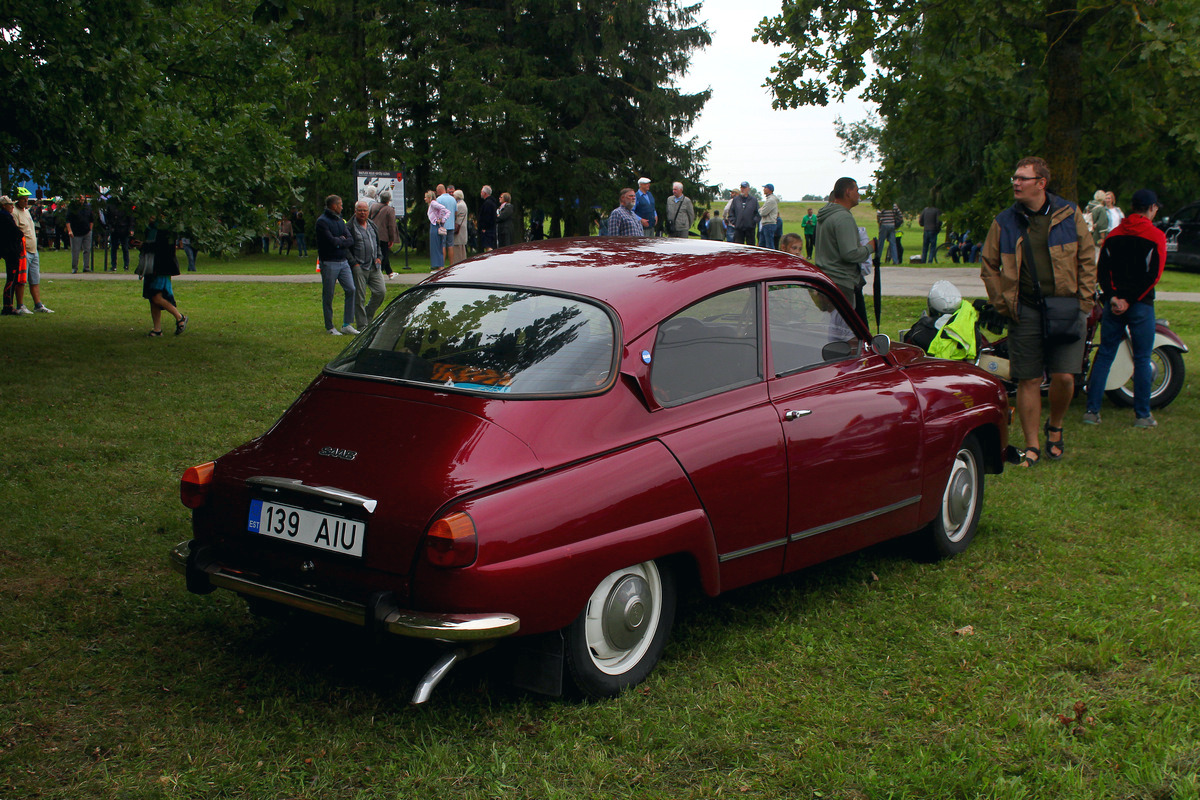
{"x": 838, "y": 253}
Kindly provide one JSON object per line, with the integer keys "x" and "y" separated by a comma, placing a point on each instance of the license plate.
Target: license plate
{"x": 310, "y": 528}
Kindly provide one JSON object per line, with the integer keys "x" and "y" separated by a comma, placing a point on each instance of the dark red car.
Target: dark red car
{"x": 551, "y": 440}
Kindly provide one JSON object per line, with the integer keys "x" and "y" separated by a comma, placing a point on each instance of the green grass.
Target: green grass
{"x": 844, "y": 681}
{"x": 257, "y": 264}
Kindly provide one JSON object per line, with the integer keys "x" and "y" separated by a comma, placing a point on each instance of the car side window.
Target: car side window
{"x": 707, "y": 348}
{"x": 806, "y": 329}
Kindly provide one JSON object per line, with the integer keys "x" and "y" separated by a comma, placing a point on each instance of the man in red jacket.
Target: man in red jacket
{"x": 1131, "y": 263}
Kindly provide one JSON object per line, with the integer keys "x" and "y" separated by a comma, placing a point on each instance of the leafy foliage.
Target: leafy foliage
{"x": 558, "y": 103}
{"x": 1107, "y": 92}
{"x": 172, "y": 106}
{"x": 222, "y": 113}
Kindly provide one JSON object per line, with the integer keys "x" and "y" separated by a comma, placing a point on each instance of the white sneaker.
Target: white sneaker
{"x": 334, "y": 332}
{"x": 42, "y": 310}
{"x": 350, "y": 329}
{"x": 22, "y": 311}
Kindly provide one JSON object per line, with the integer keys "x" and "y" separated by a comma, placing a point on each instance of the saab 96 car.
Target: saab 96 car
{"x": 552, "y": 440}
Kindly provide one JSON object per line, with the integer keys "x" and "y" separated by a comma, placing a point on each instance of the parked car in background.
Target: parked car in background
{"x": 1183, "y": 236}
{"x": 552, "y": 440}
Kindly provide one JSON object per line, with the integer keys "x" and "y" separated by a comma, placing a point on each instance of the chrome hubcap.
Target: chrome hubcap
{"x": 958, "y": 505}
{"x": 624, "y": 613}
{"x": 622, "y": 617}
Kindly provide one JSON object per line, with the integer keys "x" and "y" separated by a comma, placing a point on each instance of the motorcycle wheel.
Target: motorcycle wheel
{"x": 1166, "y": 385}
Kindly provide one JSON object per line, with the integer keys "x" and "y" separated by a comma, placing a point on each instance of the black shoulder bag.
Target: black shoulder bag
{"x": 1060, "y": 315}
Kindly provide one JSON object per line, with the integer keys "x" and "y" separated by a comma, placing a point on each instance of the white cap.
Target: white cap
{"x": 944, "y": 297}
{"x": 643, "y": 180}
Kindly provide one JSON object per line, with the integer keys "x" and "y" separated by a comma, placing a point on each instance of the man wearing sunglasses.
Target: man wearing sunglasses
{"x": 1039, "y": 248}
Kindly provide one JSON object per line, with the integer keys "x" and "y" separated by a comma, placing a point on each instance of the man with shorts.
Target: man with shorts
{"x": 32, "y": 266}
{"x": 1039, "y": 247}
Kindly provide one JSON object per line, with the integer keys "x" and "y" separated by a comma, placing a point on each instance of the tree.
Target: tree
{"x": 558, "y": 102}
{"x": 171, "y": 105}
{"x": 1107, "y": 92}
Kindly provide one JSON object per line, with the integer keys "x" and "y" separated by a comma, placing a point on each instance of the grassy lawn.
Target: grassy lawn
{"x": 1079, "y": 678}
{"x": 257, "y": 264}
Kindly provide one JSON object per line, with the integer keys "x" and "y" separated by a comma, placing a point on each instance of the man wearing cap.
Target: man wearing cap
{"x": 1130, "y": 265}
{"x": 744, "y": 214}
{"x": 623, "y": 221}
{"x": 681, "y": 214}
{"x": 33, "y": 278}
{"x": 1039, "y": 248}
{"x": 644, "y": 207}
{"x": 769, "y": 214}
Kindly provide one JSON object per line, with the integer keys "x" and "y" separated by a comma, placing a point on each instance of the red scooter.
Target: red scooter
{"x": 1166, "y": 361}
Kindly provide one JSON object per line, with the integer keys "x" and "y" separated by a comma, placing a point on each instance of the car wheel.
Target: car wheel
{"x": 620, "y": 634}
{"x": 952, "y": 530}
{"x": 1167, "y": 363}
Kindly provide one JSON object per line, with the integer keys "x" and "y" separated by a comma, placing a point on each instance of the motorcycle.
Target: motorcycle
{"x": 1166, "y": 361}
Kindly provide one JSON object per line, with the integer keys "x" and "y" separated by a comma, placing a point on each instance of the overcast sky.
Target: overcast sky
{"x": 795, "y": 150}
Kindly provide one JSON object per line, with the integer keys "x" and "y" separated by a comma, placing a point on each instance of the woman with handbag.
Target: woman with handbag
{"x": 156, "y": 265}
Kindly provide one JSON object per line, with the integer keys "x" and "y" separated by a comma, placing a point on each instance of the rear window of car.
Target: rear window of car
{"x": 516, "y": 342}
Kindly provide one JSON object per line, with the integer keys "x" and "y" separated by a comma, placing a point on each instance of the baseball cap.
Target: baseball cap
{"x": 745, "y": 184}
{"x": 770, "y": 186}
{"x": 5, "y": 200}
{"x": 23, "y": 192}
{"x": 1144, "y": 198}
{"x": 643, "y": 180}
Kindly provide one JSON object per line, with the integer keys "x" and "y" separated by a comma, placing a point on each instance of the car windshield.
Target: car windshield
{"x": 513, "y": 341}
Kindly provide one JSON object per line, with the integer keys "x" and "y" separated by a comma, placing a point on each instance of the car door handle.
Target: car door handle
{"x": 789, "y": 415}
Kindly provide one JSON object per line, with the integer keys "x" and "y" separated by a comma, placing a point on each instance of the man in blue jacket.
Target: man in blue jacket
{"x": 333, "y": 243}
{"x": 1038, "y": 248}
{"x": 644, "y": 207}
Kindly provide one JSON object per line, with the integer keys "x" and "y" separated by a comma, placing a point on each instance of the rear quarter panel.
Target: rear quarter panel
{"x": 546, "y": 543}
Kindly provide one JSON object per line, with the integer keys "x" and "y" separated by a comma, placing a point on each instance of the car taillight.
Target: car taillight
{"x": 193, "y": 486}
{"x": 451, "y": 541}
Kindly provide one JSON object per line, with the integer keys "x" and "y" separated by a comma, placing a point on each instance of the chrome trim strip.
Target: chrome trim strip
{"x": 879, "y": 512}
{"x": 749, "y": 551}
{"x": 323, "y": 492}
{"x": 402, "y": 622}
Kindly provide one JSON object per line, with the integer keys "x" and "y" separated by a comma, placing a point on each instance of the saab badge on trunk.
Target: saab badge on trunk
{"x": 337, "y": 452}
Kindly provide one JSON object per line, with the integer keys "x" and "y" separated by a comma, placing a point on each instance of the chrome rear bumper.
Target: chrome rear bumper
{"x": 387, "y": 615}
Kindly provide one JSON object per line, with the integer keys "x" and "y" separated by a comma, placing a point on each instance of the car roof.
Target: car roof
{"x": 644, "y": 279}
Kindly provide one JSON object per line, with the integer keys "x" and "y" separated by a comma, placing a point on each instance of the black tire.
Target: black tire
{"x": 1167, "y": 383}
{"x": 952, "y": 530}
{"x": 619, "y": 636}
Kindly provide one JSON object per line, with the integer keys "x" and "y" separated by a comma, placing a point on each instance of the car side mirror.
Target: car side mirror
{"x": 881, "y": 344}
{"x": 837, "y": 351}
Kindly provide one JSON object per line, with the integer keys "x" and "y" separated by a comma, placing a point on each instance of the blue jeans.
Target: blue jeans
{"x": 334, "y": 272}
{"x": 766, "y": 236}
{"x": 887, "y": 233}
{"x": 1139, "y": 320}
{"x": 929, "y": 247}
{"x": 437, "y": 244}
{"x": 301, "y": 250}
{"x": 188, "y": 250}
